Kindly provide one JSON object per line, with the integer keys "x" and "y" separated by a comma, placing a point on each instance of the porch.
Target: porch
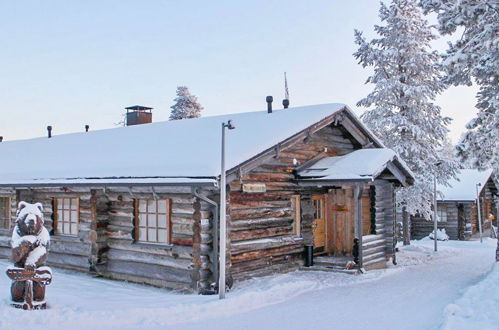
{"x": 353, "y": 222}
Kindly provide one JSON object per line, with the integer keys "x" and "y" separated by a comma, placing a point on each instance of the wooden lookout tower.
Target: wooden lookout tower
{"x": 137, "y": 115}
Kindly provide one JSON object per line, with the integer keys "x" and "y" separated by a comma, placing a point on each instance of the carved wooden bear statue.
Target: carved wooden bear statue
{"x": 30, "y": 243}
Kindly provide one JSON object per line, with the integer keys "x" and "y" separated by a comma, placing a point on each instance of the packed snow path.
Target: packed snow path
{"x": 412, "y": 295}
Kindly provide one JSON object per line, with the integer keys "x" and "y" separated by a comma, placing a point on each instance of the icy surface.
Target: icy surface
{"x": 387, "y": 299}
{"x": 465, "y": 188}
{"x": 180, "y": 148}
{"x": 359, "y": 164}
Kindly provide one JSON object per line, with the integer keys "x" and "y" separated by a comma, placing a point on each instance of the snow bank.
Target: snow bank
{"x": 441, "y": 235}
{"x": 421, "y": 252}
{"x": 478, "y": 307}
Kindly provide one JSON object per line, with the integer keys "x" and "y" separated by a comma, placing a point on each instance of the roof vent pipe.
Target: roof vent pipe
{"x": 87, "y": 127}
{"x": 49, "y": 131}
{"x": 269, "y": 100}
{"x": 285, "y": 103}
{"x": 1, "y": 138}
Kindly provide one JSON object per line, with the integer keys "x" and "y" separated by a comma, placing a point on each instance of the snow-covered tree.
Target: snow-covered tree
{"x": 186, "y": 105}
{"x": 474, "y": 57}
{"x": 401, "y": 111}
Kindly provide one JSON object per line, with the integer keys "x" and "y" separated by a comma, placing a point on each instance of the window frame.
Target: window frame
{"x": 55, "y": 212}
{"x": 442, "y": 209}
{"x": 137, "y": 226}
{"x": 296, "y": 209}
{"x": 8, "y": 218}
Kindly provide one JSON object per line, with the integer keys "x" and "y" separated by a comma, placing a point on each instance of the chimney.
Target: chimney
{"x": 1, "y": 138}
{"x": 285, "y": 103}
{"x": 269, "y": 100}
{"x": 87, "y": 127}
{"x": 137, "y": 115}
{"x": 49, "y": 131}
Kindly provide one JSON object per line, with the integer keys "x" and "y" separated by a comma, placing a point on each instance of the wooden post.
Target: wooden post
{"x": 406, "y": 226}
{"x": 358, "y": 221}
{"x": 223, "y": 224}
{"x": 478, "y": 208}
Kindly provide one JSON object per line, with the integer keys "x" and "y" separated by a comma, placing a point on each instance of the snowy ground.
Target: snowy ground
{"x": 478, "y": 308}
{"x": 424, "y": 291}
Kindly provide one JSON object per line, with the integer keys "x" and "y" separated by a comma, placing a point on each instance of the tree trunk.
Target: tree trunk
{"x": 406, "y": 226}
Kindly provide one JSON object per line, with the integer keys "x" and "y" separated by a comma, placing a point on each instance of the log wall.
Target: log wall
{"x": 74, "y": 252}
{"x": 5, "y": 234}
{"x": 182, "y": 265}
{"x": 420, "y": 227}
{"x": 261, "y": 236}
{"x": 378, "y": 247}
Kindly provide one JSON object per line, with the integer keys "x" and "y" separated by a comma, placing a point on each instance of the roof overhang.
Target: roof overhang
{"x": 363, "y": 165}
{"x": 113, "y": 182}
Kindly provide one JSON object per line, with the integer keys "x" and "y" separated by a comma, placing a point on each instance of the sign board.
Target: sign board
{"x": 254, "y": 188}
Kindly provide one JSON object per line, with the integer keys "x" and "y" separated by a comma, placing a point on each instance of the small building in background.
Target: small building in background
{"x": 457, "y": 207}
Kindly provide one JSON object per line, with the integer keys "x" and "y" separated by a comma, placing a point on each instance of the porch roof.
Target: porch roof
{"x": 359, "y": 165}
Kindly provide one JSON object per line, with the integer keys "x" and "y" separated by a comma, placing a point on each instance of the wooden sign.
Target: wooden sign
{"x": 254, "y": 188}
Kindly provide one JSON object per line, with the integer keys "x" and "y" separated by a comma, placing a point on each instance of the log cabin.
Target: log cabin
{"x": 141, "y": 203}
{"x": 457, "y": 210}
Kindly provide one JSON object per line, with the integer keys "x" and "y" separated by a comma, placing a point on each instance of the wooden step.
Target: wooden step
{"x": 371, "y": 257}
{"x": 332, "y": 261}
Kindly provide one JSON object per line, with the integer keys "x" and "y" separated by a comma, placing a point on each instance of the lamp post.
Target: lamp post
{"x": 479, "y": 211}
{"x": 223, "y": 211}
{"x": 435, "y": 221}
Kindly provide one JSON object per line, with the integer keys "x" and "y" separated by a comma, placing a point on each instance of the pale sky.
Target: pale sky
{"x": 71, "y": 63}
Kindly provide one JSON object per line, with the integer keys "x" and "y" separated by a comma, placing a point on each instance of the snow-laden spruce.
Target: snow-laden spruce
{"x": 186, "y": 105}
{"x": 474, "y": 56}
{"x": 401, "y": 111}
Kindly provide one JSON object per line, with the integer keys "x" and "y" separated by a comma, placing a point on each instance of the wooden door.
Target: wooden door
{"x": 342, "y": 219}
{"x": 319, "y": 225}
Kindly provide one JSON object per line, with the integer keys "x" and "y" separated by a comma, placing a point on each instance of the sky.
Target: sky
{"x": 72, "y": 63}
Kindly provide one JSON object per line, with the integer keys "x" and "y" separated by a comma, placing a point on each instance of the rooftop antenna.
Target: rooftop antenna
{"x": 285, "y": 102}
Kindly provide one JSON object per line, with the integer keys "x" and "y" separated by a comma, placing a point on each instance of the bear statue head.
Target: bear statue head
{"x": 29, "y": 218}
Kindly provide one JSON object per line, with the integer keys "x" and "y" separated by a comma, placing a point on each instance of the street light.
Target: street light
{"x": 223, "y": 211}
{"x": 435, "y": 222}
{"x": 478, "y": 185}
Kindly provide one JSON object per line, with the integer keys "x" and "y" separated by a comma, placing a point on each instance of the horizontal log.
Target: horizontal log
{"x": 267, "y": 176}
{"x": 149, "y": 258}
{"x": 239, "y": 197}
{"x": 149, "y": 271}
{"x": 70, "y": 261}
{"x": 174, "y": 251}
{"x": 258, "y": 254}
{"x": 260, "y": 233}
{"x": 266, "y": 243}
{"x": 260, "y": 223}
{"x": 255, "y": 213}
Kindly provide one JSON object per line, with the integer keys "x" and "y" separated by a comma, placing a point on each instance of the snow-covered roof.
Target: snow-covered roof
{"x": 362, "y": 164}
{"x": 465, "y": 188}
{"x": 173, "y": 149}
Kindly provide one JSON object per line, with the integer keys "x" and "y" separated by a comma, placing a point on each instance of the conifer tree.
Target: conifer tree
{"x": 401, "y": 109}
{"x": 186, "y": 105}
{"x": 474, "y": 57}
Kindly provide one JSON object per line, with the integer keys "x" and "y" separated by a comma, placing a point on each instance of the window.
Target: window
{"x": 295, "y": 206}
{"x": 152, "y": 221}
{"x": 318, "y": 208}
{"x": 67, "y": 214}
{"x": 442, "y": 213}
{"x": 5, "y": 213}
